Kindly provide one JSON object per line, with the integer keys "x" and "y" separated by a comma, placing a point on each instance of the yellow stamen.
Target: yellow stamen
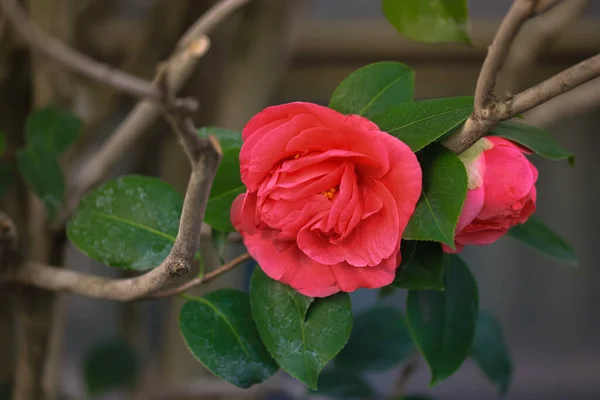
{"x": 329, "y": 193}
{"x": 297, "y": 156}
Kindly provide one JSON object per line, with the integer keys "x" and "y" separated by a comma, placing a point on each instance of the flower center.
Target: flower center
{"x": 329, "y": 193}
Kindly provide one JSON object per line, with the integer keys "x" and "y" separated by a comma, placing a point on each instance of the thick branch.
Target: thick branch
{"x": 72, "y": 59}
{"x": 179, "y": 66}
{"x": 203, "y": 279}
{"x": 177, "y": 263}
{"x": 520, "y": 11}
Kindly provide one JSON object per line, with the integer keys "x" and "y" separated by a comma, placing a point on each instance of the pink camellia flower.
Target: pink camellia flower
{"x": 501, "y": 191}
{"x": 328, "y": 197}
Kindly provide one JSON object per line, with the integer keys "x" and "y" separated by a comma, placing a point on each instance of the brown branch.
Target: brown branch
{"x": 488, "y": 110}
{"x": 72, "y": 59}
{"x": 520, "y": 11}
{"x": 177, "y": 263}
{"x": 203, "y": 279}
{"x": 180, "y": 65}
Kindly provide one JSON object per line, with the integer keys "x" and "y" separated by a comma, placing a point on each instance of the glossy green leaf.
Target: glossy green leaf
{"x": 538, "y": 235}
{"x": 536, "y": 139}
{"x": 379, "y": 341}
{"x": 301, "y": 333}
{"x": 341, "y": 385}
{"x": 227, "y": 138}
{"x": 219, "y": 331}
{"x": 422, "y": 266}
{"x": 491, "y": 353}
{"x": 42, "y": 172}
{"x": 52, "y": 129}
{"x": 226, "y": 187}
{"x": 129, "y": 223}
{"x": 444, "y": 192}
{"x": 110, "y": 366}
{"x": 442, "y": 323}
{"x": 373, "y": 89}
{"x": 430, "y": 21}
{"x": 420, "y": 123}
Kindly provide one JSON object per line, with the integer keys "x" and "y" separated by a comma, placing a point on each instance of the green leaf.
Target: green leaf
{"x": 373, "y": 89}
{"x": 226, "y": 187}
{"x": 442, "y": 323}
{"x": 422, "y": 266}
{"x": 110, "y": 366}
{"x": 227, "y": 138}
{"x": 490, "y": 352}
{"x": 379, "y": 341}
{"x": 536, "y": 139}
{"x": 341, "y": 385}
{"x": 301, "y": 340}
{"x": 538, "y": 235}
{"x": 420, "y": 123}
{"x": 444, "y": 192}
{"x": 219, "y": 241}
{"x": 431, "y": 21}
{"x": 52, "y": 129}
{"x": 219, "y": 331}
{"x": 41, "y": 171}
{"x": 128, "y": 223}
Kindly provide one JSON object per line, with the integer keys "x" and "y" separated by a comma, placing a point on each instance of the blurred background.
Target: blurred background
{"x": 275, "y": 51}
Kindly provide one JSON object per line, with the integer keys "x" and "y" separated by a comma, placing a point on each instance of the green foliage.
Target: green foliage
{"x": 2, "y": 143}
{"x": 422, "y": 266}
{"x": 341, "y": 385}
{"x": 219, "y": 241}
{"x": 416, "y": 397}
{"x": 7, "y": 177}
{"x": 6, "y": 390}
{"x": 42, "y": 172}
{"x": 52, "y": 129}
{"x": 444, "y": 192}
{"x": 219, "y": 331}
{"x": 442, "y": 323}
{"x": 538, "y": 235}
{"x": 490, "y": 352}
{"x": 110, "y": 366}
{"x": 431, "y": 21}
{"x": 536, "y": 139}
{"x": 49, "y": 132}
{"x": 420, "y": 123}
{"x": 128, "y": 223}
{"x": 301, "y": 333}
{"x": 226, "y": 187}
{"x": 227, "y": 138}
{"x": 373, "y": 89}
{"x": 380, "y": 340}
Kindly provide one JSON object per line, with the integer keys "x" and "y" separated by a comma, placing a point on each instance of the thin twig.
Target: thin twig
{"x": 518, "y": 13}
{"x": 180, "y": 65}
{"x": 72, "y": 59}
{"x": 203, "y": 279}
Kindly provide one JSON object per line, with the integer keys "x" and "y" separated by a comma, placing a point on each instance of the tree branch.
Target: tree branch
{"x": 203, "y": 279}
{"x": 488, "y": 110}
{"x": 177, "y": 263}
{"x": 180, "y": 65}
{"x": 519, "y": 12}
{"x": 72, "y": 59}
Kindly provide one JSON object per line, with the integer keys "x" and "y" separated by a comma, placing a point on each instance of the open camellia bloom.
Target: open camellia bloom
{"x": 501, "y": 191}
{"x": 328, "y": 198}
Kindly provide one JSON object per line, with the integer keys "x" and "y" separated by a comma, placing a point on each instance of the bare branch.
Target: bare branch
{"x": 177, "y": 263}
{"x": 180, "y": 65}
{"x": 203, "y": 279}
{"x": 560, "y": 83}
{"x": 72, "y": 59}
{"x": 520, "y": 11}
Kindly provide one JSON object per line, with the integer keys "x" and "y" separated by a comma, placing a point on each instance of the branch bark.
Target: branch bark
{"x": 72, "y": 59}
{"x": 488, "y": 110}
{"x": 179, "y": 66}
